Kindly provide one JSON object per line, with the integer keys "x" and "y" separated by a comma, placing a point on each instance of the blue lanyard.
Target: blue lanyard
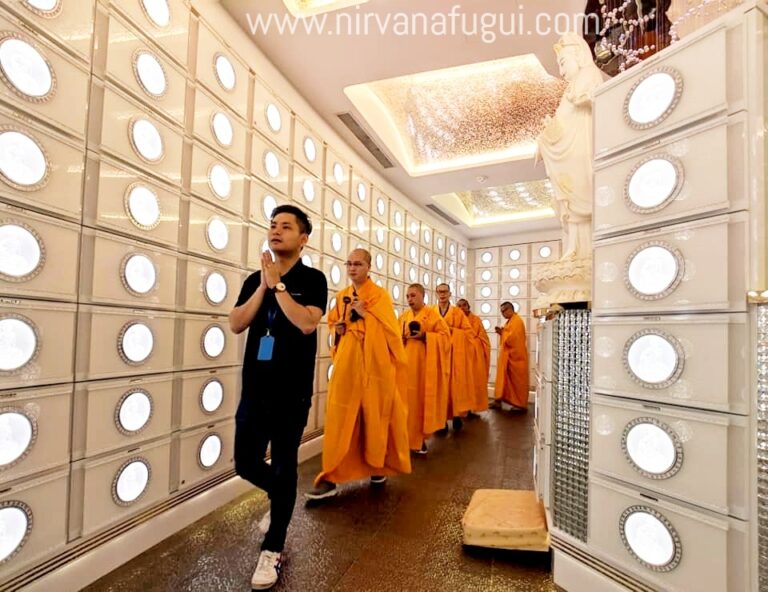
{"x": 271, "y": 314}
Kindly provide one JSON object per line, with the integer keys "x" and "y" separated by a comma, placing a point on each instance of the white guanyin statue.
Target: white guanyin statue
{"x": 565, "y": 145}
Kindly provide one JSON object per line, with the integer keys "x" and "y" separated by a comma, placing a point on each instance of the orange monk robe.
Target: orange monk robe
{"x": 366, "y": 423}
{"x": 481, "y": 362}
{"x": 512, "y": 368}
{"x": 429, "y": 371}
{"x": 461, "y": 394}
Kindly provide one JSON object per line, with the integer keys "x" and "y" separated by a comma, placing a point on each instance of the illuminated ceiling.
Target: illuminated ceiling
{"x": 466, "y": 116}
{"x": 493, "y": 205}
{"x": 306, "y": 8}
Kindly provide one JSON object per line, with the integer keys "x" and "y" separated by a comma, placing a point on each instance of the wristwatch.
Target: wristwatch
{"x": 279, "y": 287}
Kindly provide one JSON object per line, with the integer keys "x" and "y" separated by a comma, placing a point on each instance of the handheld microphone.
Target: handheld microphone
{"x": 354, "y": 316}
{"x": 346, "y": 300}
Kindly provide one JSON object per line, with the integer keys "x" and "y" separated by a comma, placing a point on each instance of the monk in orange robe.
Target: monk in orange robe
{"x": 428, "y": 349}
{"x": 366, "y": 417}
{"x": 512, "y": 367}
{"x": 481, "y": 361}
{"x": 461, "y": 393}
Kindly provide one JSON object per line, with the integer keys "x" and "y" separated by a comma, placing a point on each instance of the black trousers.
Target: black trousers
{"x": 281, "y": 425}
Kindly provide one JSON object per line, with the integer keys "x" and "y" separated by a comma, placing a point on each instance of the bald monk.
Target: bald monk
{"x": 481, "y": 361}
{"x": 366, "y": 429}
{"x": 461, "y": 393}
{"x": 428, "y": 350}
{"x": 512, "y": 367}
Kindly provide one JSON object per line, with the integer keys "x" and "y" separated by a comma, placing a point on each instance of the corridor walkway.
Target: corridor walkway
{"x": 405, "y": 537}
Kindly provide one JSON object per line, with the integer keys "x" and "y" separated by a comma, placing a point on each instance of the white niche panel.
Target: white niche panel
{"x": 120, "y": 485}
{"x": 695, "y": 266}
{"x": 701, "y": 172}
{"x": 682, "y": 360}
{"x": 144, "y": 71}
{"x": 38, "y": 78}
{"x": 34, "y": 439}
{"x": 122, "y": 342}
{"x": 205, "y": 341}
{"x": 693, "y": 456}
{"x": 221, "y": 71}
{"x": 40, "y": 167}
{"x": 116, "y": 413}
{"x": 659, "y": 541}
{"x": 205, "y": 452}
{"x": 38, "y": 343}
{"x": 208, "y": 396}
{"x": 119, "y": 271}
{"x": 38, "y": 255}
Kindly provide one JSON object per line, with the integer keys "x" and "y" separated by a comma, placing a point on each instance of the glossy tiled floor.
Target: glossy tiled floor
{"x": 405, "y": 537}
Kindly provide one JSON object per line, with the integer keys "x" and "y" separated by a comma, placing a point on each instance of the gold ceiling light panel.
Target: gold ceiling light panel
{"x": 306, "y": 8}
{"x": 460, "y": 117}
{"x": 531, "y": 200}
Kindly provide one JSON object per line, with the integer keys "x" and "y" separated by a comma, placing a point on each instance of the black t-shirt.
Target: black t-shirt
{"x": 292, "y": 367}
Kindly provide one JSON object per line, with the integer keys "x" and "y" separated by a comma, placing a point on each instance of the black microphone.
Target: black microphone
{"x": 354, "y": 316}
{"x": 346, "y": 300}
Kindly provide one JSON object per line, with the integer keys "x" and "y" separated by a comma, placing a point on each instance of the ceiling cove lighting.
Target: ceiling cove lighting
{"x": 465, "y": 116}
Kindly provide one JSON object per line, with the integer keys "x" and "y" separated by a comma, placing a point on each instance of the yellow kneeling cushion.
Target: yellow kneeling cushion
{"x": 506, "y": 519}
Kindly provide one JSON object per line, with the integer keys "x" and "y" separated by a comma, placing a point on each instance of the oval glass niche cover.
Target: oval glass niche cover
{"x": 131, "y": 482}
{"x": 22, "y": 253}
{"x": 220, "y": 181}
{"x": 143, "y": 207}
{"x": 15, "y": 526}
{"x": 210, "y": 451}
{"x": 650, "y": 538}
{"x": 652, "y": 448}
{"x": 18, "y": 433}
{"x": 223, "y": 130}
{"x": 271, "y": 164}
{"x": 654, "y": 270}
{"x": 653, "y": 98}
{"x": 133, "y": 412}
{"x": 19, "y": 343}
{"x": 23, "y": 163}
{"x": 157, "y": 11}
{"x": 49, "y": 8}
{"x": 310, "y": 149}
{"x": 150, "y": 73}
{"x": 139, "y": 274}
{"x": 146, "y": 140}
{"x": 217, "y": 234}
{"x": 335, "y": 274}
{"x": 136, "y": 343}
{"x": 25, "y": 69}
{"x": 211, "y": 395}
{"x": 215, "y": 288}
{"x": 653, "y": 184}
{"x": 225, "y": 72}
{"x": 654, "y": 358}
{"x": 274, "y": 118}
{"x": 214, "y": 341}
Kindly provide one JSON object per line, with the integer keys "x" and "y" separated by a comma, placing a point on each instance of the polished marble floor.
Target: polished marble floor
{"x": 404, "y": 537}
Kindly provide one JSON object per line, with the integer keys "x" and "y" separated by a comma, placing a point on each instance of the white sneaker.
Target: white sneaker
{"x": 265, "y": 522}
{"x": 267, "y": 570}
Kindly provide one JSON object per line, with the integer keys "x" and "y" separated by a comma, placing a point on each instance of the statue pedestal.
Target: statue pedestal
{"x": 564, "y": 281}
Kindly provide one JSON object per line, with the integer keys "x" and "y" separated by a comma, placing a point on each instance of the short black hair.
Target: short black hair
{"x": 305, "y": 224}
{"x": 503, "y": 304}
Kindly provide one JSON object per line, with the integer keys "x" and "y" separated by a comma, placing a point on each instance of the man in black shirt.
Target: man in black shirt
{"x": 281, "y": 305}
